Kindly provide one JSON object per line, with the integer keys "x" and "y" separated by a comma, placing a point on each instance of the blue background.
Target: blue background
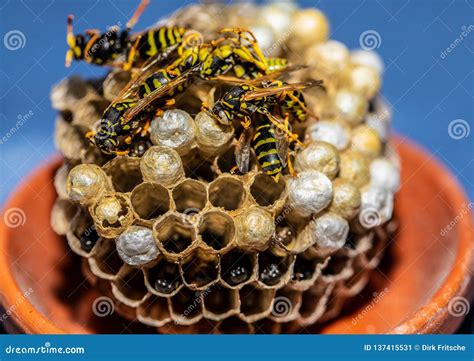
{"x": 427, "y": 92}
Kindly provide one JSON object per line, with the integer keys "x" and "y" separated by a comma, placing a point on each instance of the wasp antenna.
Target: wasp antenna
{"x": 136, "y": 15}
{"x": 315, "y": 83}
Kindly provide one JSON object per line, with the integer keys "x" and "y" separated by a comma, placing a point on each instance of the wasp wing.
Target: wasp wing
{"x": 243, "y": 151}
{"x": 162, "y": 91}
{"x": 275, "y": 89}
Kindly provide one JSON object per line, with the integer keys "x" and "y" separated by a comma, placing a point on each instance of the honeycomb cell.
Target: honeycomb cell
{"x": 272, "y": 269}
{"x": 83, "y": 235}
{"x": 227, "y": 192}
{"x": 211, "y": 136}
{"x": 199, "y": 169}
{"x": 186, "y": 307}
{"x": 267, "y": 327}
{"x": 129, "y": 287}
{"x": 86, "y": 183}
{"x": 255, "y": 303}
{"x": 313, "y": 303}
{"x": 150, "y": 200}
{"x": 285, "y": 305}
{"x": 254, "y": 229}
{"x": 106, "y": 263}
{"x": 154, "y": 311}
{"x": 265, "y": 191}
{"x": 162, "y": 165}
{"x": 237, "y": 267}
{"x": 234, "y": 325}
{"x": 304, "y": 268}
{"x": 220, "y": 302}
{"x": 200, "y": 269}
{"x": 164, "y": 278}
{"x": 62, "y": 214}
{"x": 226, "y": 161}
{"x": 124, "y": 172}
{"x": 174, "y": 234}
{"x": 338, "y": 268}
{"x": 112, "y": 214}
{"x": 217, "y": 230}
{"x": 190, "y": 196}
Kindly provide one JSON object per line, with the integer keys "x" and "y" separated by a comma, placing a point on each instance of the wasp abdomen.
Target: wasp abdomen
{"x": 266, "y": 150}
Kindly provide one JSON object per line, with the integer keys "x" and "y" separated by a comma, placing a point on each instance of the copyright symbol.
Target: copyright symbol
{"x": 417, "y": 347}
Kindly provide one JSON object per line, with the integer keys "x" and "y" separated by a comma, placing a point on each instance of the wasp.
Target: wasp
{"x": 153, "y": 89}
{"x": 118, "y": 48}
{"x": 272, "y": 134}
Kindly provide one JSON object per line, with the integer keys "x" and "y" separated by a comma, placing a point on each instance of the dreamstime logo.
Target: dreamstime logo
{"x": 370, "y": 40}
{"x": 458, "y": 129}
{"x": 190, "y": 216}
{"x": 281, "y": 306}
{"x": 192, "y": 39}
{"x": 103, "y": 306}
{"x": 14, "y": 40}
{"x": 14, "y": 217}
{"x": 458, "y": 306}
{"x": 369, "y": 217}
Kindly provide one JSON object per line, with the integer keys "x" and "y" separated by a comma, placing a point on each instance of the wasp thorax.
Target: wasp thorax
{"x": 255, "y": 227}
{"x": 85, "y": 183}
{"x": 162, "y": 165}
{"x": 175, "y": 129}
{"x": 136, "y": 246}
{"x": 309, "y": 192}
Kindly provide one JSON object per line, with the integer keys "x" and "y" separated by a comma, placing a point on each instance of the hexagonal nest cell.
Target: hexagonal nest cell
{"x": 186, "y": 243}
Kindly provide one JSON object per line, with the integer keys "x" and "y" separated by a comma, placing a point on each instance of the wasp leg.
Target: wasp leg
{"x": 145, "y": 129}
{"x": 136, "y": 15}
{"x": 292, "y": 136}
{"x": 90, "y": 135}
{"x": 243, "y": 52}
{"x": 290, "y": 165}
{"x": 92, "y": 31}
{"x": 121, "y": 152}
{"x": 131, "y": 55}
{"x": 246, "y": 123}
{"x": 234, "y": 170}
{"x": 170, "y": 102}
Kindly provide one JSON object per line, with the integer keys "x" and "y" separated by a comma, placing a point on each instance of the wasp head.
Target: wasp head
{"x": 76, "y": 43}
{"x": 220, "y": 113}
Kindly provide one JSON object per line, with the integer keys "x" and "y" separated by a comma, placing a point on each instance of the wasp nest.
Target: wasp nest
{"x": 186, "y": 246}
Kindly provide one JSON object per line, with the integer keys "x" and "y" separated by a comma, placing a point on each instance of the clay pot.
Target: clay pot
{"x": 424, "y": 273}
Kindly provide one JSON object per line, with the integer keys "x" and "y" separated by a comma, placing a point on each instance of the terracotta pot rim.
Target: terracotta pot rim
{"x": 455, "y": 283}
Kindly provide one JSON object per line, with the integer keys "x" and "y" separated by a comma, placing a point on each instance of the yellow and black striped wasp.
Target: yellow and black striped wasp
{"x": 120, "y": 48}
{"x": 260, "y": 110}
{"x": 155, "y": 86}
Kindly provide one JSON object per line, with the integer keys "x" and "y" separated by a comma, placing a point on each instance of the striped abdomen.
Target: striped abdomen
{"x": 276, "y": 64}
{"x": 265, "y": 145}
{"x": 159, "y": 79}
{"x": 155, "y": 41}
